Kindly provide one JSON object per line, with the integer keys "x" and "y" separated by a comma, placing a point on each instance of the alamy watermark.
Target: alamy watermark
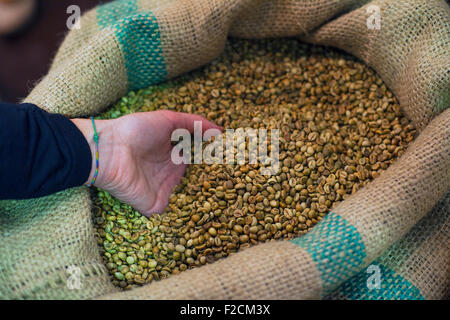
{"x": 374, "y": 20}
{"x": 240, "y": 146}
{"x": 374, "y": 280}
{"x": 73, "y": 21}
{"x": 74, "y": 279}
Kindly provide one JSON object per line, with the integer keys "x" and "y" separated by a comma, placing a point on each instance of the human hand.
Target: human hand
{"x": 135, "y": 156}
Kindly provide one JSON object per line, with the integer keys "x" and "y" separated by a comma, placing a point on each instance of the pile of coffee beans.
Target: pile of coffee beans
{"x": 339, "y": 128}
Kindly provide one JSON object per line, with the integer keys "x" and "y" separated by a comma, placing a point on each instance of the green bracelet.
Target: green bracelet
{"x": 96, "y": 152}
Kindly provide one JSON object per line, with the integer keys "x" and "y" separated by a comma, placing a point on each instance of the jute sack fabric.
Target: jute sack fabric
{"x": 131, "y": 44}
{"x": 412, "y": 267}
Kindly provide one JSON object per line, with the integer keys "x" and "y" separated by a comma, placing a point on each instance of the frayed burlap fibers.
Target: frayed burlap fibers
{"x": 398, "y": 224}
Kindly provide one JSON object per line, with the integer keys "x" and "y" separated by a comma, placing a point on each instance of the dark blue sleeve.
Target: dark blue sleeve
{"x": 40, "y": 153}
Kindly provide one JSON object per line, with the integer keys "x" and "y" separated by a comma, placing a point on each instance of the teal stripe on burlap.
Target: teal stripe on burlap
{"x": 336, "y": 247}
{"x": 139, "y": 37}
{"x": 111, "y": 13}
{"x": 392, "y": 286}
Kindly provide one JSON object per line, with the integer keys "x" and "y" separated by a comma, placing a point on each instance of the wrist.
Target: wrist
{"x": 104, "y": 133}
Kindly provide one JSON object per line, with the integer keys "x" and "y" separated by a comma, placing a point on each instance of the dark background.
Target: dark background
{"x": 26, "y": 57}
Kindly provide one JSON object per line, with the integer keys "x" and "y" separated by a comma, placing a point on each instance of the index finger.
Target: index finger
{"x": 186, "y": 121}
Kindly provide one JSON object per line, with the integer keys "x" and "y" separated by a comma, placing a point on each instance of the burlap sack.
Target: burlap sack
{"x": 415, "y": 267}
{"x": 132, "y": 44}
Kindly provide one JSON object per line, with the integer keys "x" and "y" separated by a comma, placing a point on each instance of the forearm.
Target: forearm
{"x": 40, "y": 153}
